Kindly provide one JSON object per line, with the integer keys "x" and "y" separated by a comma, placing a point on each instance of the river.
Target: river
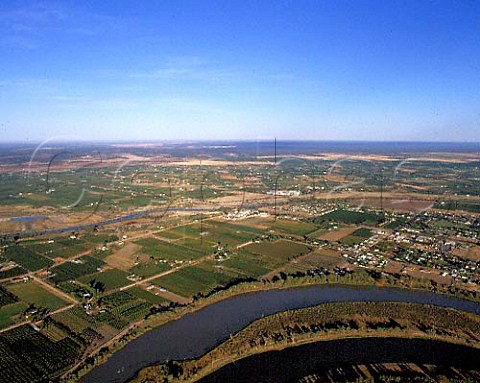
{"x": 195, "y": 333}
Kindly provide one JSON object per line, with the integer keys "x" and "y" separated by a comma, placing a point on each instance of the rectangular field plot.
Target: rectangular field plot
{"x": 292, "y": 227}
{"x": 247, "y": 264}
{"x": 277, "y": 253}
{"x": 9, "y": 312}
{"x": 32, "y": 292}
{"x": 125, "y": 257}
{"x": 147, "y": 296}
{"x": 133, "y": 311}
{"x": 27, "y": 258}
{"x": 94, "y": 321}
{"x": 59, "y": 248}
{"x": 192, "y": 231}
{"x": 7, "y": 297}
{"x": 29, "y": 356}
{"x": 198, "y": 244}
{"x": 192, "y": 280}
{"x": 238, "y": 227}
{"x": 168, "y": 251}
{"x": 75, "y": 269}
{"x": 225, "y": 233}
{"x": 112, "y": 278}
{"x": 351, "y": 217}
{"x": 356, "y": 237}
{"x": 149, "y": 268}
{"x": 170, "y": 234}
{"x": 320, "y": 258}
{"x": 9, "y": 272}
{"x": 72, "y": 319}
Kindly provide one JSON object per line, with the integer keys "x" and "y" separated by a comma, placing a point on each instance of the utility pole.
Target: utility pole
{"x": 381, "y": 190}
{"x": 275, "y": 184}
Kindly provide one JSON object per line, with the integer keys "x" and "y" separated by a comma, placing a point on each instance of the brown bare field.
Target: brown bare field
{"x": 124, "y": 258}
{"x": 400, "y": 204}
{"x": 472, "y": 253}
{"x": 336, "y": 235}
{"x": 198, "y": 162}
{"x": 417, "y": 272}
{"x": 236, "y": 199}
{"x": 438, "y": 157}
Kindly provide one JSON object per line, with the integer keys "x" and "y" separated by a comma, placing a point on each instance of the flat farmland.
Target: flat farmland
{"x": 221, "y": 232}
{"x": 32, "y": 292}
{"x": 351, "y": 217}
{"x": 168, "y": 251}
{"x": 336, "y": 235}
{"x": 71, "y": 319}
{"x": 259, "y": 225}
{"x": 356, "y": 237}
{"x": 248, "y": 264}
{"x": 27, "y": 258}
{"x": 75, "y": 269}
{"x": 192, "y": 280}
{"x": 279, "y": 252}
{"x": 169, "y": 234}
{"x": 125, "y": 257}
{"x": 406, "y": 203}
{"x": 237, "y": 226}
{"x": 292, "y": 227}
{"x": 470, "y": 251}
{"x": 61, "y": 247}
{"x": 9, "y": 312}
{"x": 319, "y": 258}
{"x": 150, "y": 268}
{"x": 199, "y": 244}
{"x": 29, "y": 356}
{"x": 147, "y": 295}
{"x": 112, "y": 278}
{"x": 192, "y": 231}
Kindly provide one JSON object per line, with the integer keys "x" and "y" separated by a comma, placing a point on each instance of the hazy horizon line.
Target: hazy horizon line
{"x": 226, "y": 140}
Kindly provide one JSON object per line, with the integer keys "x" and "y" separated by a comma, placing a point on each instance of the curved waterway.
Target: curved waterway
{"x": 194, "y": 334}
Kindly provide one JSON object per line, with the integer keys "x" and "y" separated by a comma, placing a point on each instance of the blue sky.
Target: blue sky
{"x": 172, "y": 69}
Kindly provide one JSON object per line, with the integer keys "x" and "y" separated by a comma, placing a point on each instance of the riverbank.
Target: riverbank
{"x": 330, "y": 321}
{"x": 359, "y": 279}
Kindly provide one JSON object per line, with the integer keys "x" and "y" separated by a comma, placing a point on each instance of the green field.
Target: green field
{"x": 147, "y": 296}
{"x": 356, "y": 237}
{"x": 112, "y": 278}
{"x": 149, "y": 269}
{"x": 6, "y": 297}
{"x": 250, "y": 265}
{"x": 61, "y": 247}
{"x": 293, "y": 227}
{"x": 277, "y": 253}
{"x": 192, "y": 280}
{"x": 27, "y": 258}
{"x": 351, "y": 217}
{"x": 7, "y": 312}
{"x": 73, "y": 320}
{"x": 71, "y": 270}
{"x": 12, "y": 272}
{"x": 168, "y": 251}
{"x": 32, "y": 292}
{"x": 29, "y": 356}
